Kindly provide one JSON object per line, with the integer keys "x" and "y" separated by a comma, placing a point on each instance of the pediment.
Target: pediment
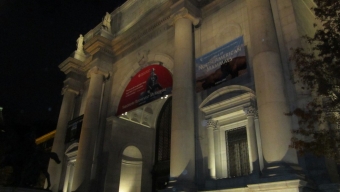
{"x": 223, "y": 103}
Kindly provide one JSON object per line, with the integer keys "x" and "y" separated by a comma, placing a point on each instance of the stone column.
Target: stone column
{"x": 72, "y": 176}
{"x": 182, "y": 158}
{"x": 69, "y": 91}
{"x": 270, "y": 88}
{"x": 68, "y": 177}
{"x": 258, "y": 140}
{"x": 217, "y": 145}
{"x": 211, "y": 143}
{"x": 82, "y": 174}
{"x": 251, "y": 138}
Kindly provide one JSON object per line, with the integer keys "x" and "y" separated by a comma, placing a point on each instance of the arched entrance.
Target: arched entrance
{"x": 161, "y": 169}
{"x": 131, "y": 170}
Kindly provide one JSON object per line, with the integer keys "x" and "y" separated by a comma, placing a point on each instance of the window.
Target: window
{"x": 74, "y": 129}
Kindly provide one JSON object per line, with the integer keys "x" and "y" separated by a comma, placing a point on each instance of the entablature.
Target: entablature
{"x": 71, "y": 65}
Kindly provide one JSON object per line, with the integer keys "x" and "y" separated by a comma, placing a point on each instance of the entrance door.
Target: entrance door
{"x": 161, "y": 169}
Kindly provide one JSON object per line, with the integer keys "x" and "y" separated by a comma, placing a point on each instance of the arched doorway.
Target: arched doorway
{"x": 131, "y": 170}
{"x": 161, "y": 169}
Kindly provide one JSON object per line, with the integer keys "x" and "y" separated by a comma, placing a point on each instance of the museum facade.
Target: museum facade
{"x": 186, "y": 95}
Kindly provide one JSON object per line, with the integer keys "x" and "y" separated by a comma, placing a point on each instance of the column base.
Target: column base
{"x": 185, "y": 186}
{"x": 281, "y": 169}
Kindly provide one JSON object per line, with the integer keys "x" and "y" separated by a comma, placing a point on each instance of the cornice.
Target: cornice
{"x": 127, "y": 5}
{"x": 149, "y": 27}
{"x": 71, "y": 65}
{"x": 185, "y": 9}
{"x": 98, "y": 43}
{"x": 212, "y": 7}
{"x": 228, "y": 104}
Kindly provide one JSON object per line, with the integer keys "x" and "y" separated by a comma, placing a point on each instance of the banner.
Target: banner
{"x": 149, "y": 84}
{"x": 221, "y": 65}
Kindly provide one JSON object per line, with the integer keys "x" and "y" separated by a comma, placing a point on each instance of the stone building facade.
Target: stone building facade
{"x": 198, "y": 134}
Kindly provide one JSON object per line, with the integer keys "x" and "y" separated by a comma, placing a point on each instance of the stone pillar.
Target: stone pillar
{"x": 182, "y": 158}
{"x": 251, "y": 138}
{"x": 82, "y": 174}
{"x": 258, "y": 140}
{"x": 72, "y": 176}
{"x": 270, "y": 88}
{"x": 70, "y": 90}
{"x": 211, "y": 143}
{"x": 68, "y": 177}
{"x": 218, "y": 160}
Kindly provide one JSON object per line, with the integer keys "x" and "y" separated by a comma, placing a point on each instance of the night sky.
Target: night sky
{"x": 35, "y": 37}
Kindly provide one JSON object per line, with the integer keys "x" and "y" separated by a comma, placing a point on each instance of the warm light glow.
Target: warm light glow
{"x": 131, "y": 170}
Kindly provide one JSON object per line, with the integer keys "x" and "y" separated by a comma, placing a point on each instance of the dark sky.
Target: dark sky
{"x": 35, "y": 37}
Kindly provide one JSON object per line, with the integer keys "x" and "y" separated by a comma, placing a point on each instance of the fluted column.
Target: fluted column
{"x": 251, "y": 138}
{"x": 270, "y": 88}
{"x": 182, "y": 158}
{"x": 69, "y": 91}
{"x": 89, "y": 130}
{"x": 211, "y": 143}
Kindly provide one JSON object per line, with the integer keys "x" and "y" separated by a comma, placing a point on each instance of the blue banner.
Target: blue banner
{"x": 221, "y": 65}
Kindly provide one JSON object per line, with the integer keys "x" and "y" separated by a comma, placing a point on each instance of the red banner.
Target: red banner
{"x": 149, "y": 84}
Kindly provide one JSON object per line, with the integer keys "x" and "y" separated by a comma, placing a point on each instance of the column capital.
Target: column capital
{"x": 185, "y": 9}
{"x": 250, "y": 111}
{"x": 97, "y": 70}
{"x": 67, "y": 88}
{"x": 71, "y": 85}
{"x": 211, "y": 124}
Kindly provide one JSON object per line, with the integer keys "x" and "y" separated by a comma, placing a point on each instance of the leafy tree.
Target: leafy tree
{"x": 318, "y": 70}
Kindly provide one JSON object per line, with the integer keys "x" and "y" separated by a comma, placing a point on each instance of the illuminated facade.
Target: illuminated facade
{"x": 223, "y": 129}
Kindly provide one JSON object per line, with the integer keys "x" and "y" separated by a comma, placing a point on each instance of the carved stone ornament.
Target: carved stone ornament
{"x": 212, "y": 124}
{"x": 106, "y": 24}
{"x": 97, "y": 70}
{"x": 250, "y": 111}
{"x": 142, "y": 57}
{"x": 80, "y": 43}
{"x": 184, "y": 13}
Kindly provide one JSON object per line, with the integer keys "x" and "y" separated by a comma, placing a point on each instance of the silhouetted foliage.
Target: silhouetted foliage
{"x": 318, "y": 70}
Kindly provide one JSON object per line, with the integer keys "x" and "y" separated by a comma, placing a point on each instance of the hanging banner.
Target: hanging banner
{"x": 149, "y": 84}
{"x": 221, "y": 65}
